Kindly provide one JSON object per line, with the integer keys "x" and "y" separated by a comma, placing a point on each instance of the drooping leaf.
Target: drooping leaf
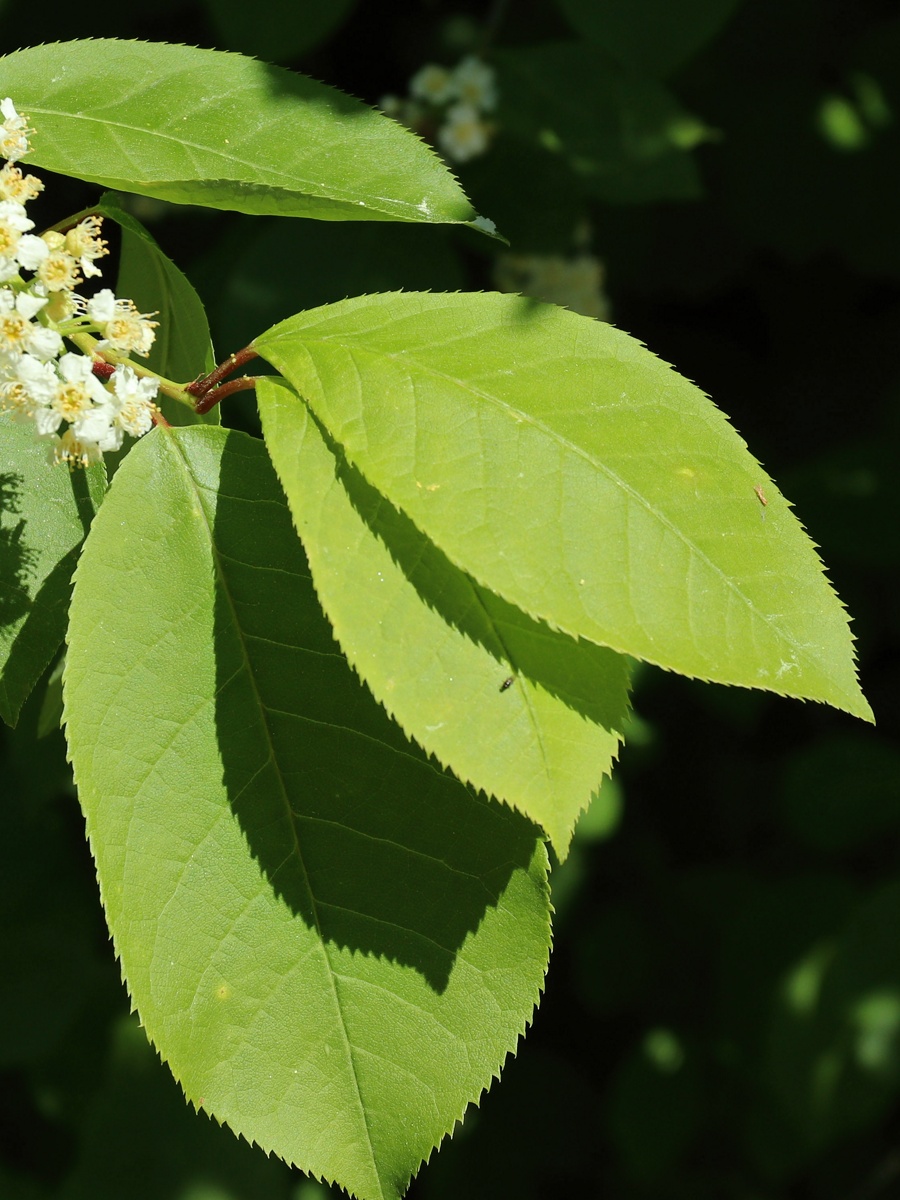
{"x": 623, "y": 134}
{"x": 528, "y": 715}
{"x": 221, "y": 130}
{"x": 182, "y": 349}
{"x": 51, "y": 712}
{"x": 332, "y": 943}
{"x": 565, "y": 467}
{"x": 649, "y": 35}
{"x": 45, "y": 513}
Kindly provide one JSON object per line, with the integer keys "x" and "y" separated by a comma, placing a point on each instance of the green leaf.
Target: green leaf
{"x": 623, "y": 135}
{"x": 45, "y": 513}
{"x": 50, "y": 717}
{"x": 290, "y": 28}
{"x": 649, "y": 35}
{"x": 527, "y": 715}
{"x": 565, "y": 467}
{"x": 182, "y": 350}
{"x": 221, "y": 130}
{"x": 332, "y": 943}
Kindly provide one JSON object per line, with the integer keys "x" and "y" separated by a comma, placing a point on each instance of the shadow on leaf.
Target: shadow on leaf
{"x": 591, "y": 679}
{"x": 363, "y": 837}
{"x": 17, "y": 561}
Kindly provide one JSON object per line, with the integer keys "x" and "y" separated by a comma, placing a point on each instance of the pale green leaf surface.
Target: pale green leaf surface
{"x": 225, "y": 131}
{"x": 437, "y": 649}
{"x": 182, "y": 349}
{"x": 332, "y": 943}
{"x": 565, "y": 467}
{"x": 45, "y": 513}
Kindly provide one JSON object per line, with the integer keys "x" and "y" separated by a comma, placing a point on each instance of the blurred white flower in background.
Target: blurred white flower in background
{"x": 576, "y": 283}
{"x": 463, "y": 135}
{"x": 432, "y": 84}
{"x": 448, "y": 107}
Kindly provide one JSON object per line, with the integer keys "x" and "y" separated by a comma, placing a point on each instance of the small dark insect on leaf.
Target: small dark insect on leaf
{"x": 761, "y": 496}
{"x": 507, "y": 683}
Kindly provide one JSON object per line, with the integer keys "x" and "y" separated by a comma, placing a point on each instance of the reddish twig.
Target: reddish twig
{"x": 210, "y": 399}
{"x": 200, "y": 387}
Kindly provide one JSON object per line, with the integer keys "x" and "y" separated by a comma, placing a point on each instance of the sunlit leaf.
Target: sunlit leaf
{"x": 225, "y": 131}
{"x": 332, "y": 943}
{"x": 527, "y": 714}
{"x": 565, "y": 467}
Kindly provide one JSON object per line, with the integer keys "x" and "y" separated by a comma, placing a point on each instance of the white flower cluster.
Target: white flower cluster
{"x": 451, "y": 104}
{"x": 41, "y": 383}
{"x": 575, "y": 283}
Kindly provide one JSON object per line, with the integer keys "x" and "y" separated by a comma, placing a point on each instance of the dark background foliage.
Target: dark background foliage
{"x": 722, "y": 1016}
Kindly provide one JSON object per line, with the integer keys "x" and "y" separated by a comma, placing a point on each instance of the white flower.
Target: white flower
{"x": 58, "y": 271}
{"x": 19, "y": 333}
{"x": 134, "y": 395}
{"x": 69, "y": 450}
{"x": 13, "y": 132}
{"x": 97, "y": 427}
{"x": 464, "y": 135}
{"x": 27, "y": 385}
{"x": 390, "y": 105}
{"x": 432, "y": 83}
{"x": 29, "y": 305}
{"x": 102, "y": 306}
{"x": 78, "y": 368}
{"x": 474, "y": 83}
{"x": 16, "y": 186}
{"x": 13, "y": 213}
{"x": 78, "y": 389}
{"x": 31, "y": 251}
{"x": 575, "y": 283}
{"x": 39, "y": 378}
{"x": 44, "y": 343}
{"x": 124, "y": 328}
{"x": 85, "y": 243}
{"x": 13, "y": 224}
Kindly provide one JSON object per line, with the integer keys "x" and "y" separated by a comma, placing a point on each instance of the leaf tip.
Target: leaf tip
{"x": 486, "y": 226}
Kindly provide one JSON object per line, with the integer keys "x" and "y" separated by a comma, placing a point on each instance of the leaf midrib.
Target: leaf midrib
{"x": 401, "y": 358}
{"x": 193, "y": 485}
{"x": 293, "y": 183}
